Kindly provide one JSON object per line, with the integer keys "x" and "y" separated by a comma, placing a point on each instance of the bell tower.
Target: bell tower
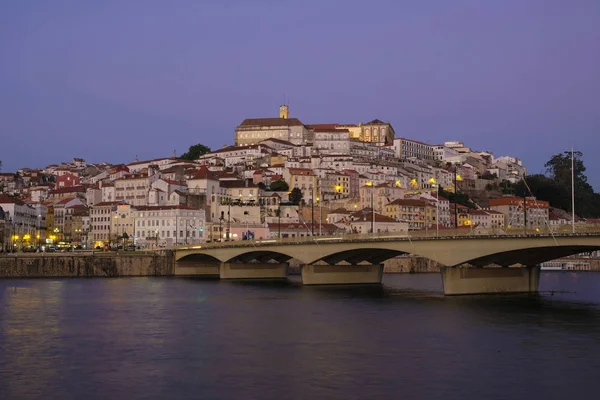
{"x": 284, "y": 111}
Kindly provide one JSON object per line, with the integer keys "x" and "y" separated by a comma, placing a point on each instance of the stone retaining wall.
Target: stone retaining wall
{"x": 410, "y": 265}
{"x": 85, "y": 265}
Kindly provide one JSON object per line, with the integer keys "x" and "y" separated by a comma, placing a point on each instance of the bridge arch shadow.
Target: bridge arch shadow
{"x": 199, "y": 258}
{"x": 530, "y": 256}
{"x": 355, "y": 256}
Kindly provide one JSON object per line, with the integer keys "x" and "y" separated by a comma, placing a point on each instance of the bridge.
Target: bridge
{"x": 357, "y": 259}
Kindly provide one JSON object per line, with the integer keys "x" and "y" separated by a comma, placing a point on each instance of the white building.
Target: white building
{"x": 446, "y": 154}
{"x": 407, "y": 148}
{"x": 331, "y": 141}
{"x": 24, "y": 220}
{"x": 253, "y": 131}
{"x": 165, "y": 226}
{"x": 134, "y": 190}
{"x": 101, "y": 215}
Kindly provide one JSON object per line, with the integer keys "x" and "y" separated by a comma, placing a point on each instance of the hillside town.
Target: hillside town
{"x": 281, "y": 179}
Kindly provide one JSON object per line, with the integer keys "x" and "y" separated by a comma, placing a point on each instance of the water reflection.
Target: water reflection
{"x": 184, "y": 338}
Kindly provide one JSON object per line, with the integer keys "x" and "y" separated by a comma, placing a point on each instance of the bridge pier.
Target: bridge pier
{"x": 196, "y": 268}
{"x": 461, "y": 281}
{"x": 341, "y": 274}
{"x": 253, "y": 270}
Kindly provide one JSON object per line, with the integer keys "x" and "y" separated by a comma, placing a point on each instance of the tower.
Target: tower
{"x": 284, "y": 111}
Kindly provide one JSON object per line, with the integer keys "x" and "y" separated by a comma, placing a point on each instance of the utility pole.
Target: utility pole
{"x": 525, "y": 212}
{"x": 228, "y": 219}
{"x": 573, "y": 190}
{"x": 373, "y": 209}
{"x": 455, "y": 195}
{"x": 312, "y": 203}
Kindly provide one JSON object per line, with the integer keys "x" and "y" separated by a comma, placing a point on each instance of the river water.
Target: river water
{"x": 174, "y": 338}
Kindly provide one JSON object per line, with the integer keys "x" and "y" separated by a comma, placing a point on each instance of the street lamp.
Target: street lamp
{"x": 437, "y": 206}
{"x": 39, "y": 229}
{"x": 456, "y": 179}
{"x": 279, "y": 218}
{"x": 320, "y": 213}
{"x": 370, "y": 184}
{"x": 312, "y": 204}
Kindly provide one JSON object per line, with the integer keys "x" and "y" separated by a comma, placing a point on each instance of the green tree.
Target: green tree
{"x": 279, "y": 186}
{"x": 457, "y": 198}
{"x": 296, "y": 196}
{"x": 195, "y": 151}
{"x": 559, "y": 168}
{"x": 556, "y": 188}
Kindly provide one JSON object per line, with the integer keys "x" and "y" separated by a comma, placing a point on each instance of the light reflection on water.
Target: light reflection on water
{"x": 186, "y": 338}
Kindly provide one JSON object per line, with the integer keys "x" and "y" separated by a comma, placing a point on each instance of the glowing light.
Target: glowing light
{"x": 369, "y": 183}
{"x": 398, "y": 184}
{"x": 432, "y": 180}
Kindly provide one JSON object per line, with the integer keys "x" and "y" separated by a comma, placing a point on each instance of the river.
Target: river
{"x": 176, "y": 338}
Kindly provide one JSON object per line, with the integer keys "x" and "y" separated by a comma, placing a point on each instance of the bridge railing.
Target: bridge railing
{"x": 429, "y": 234}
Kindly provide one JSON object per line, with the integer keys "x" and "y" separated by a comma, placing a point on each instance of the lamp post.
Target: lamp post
{"x": 437, "y": 206}
{"x": 370, "y": 184}
{"x": 320, "y": 213}
{"x": 312, "y": 204}
{"x": 39, "y": 229}
{"x": 228, "y": 233}
{"x": 117, "y": 230}
{"x": 278, "y": 217}
{"x": 456, "y": 179}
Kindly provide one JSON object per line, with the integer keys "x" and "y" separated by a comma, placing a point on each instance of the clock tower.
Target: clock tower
{"x": 284, "y": 111}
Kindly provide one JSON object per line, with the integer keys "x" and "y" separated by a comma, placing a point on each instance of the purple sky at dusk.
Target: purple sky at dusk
{"x": 109, "y": 80}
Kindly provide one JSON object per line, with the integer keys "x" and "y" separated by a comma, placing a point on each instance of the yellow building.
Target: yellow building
{"x": 416, "y": 213}
{"x": 50, "y": 221}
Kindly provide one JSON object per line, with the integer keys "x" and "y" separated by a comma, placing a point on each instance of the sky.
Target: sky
{"x": 112, "y": 80}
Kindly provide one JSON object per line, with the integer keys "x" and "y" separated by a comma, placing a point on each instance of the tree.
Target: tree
{"x": 457, "y": 198}
{"x": 559, "y": 168}
{"x": 279, "y": 186}
{"x": 487, "y": 175}
{"x": 195, "y": 151}
{"x": 296, "y": 196}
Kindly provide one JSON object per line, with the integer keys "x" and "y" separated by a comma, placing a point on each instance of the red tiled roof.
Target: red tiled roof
{"x": 6, "y": 199}
{"x": 152, "y": 208}
{"x": 172, "y": 182}
{"x": 301, "y": 171}
{"x": 408, "y": 202}
{"x": 270, "y": 122}
{"x": 275, "y": 140}
{"x": 107, "y": 203}
{"x": 322, "y": 126}
{"x": 340, "y": 210}
{"x": 71, "y": 189}
{"x": 66, "y": 200}
{"x": 204, "y": 173}
{"x": 366, "y": 214}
